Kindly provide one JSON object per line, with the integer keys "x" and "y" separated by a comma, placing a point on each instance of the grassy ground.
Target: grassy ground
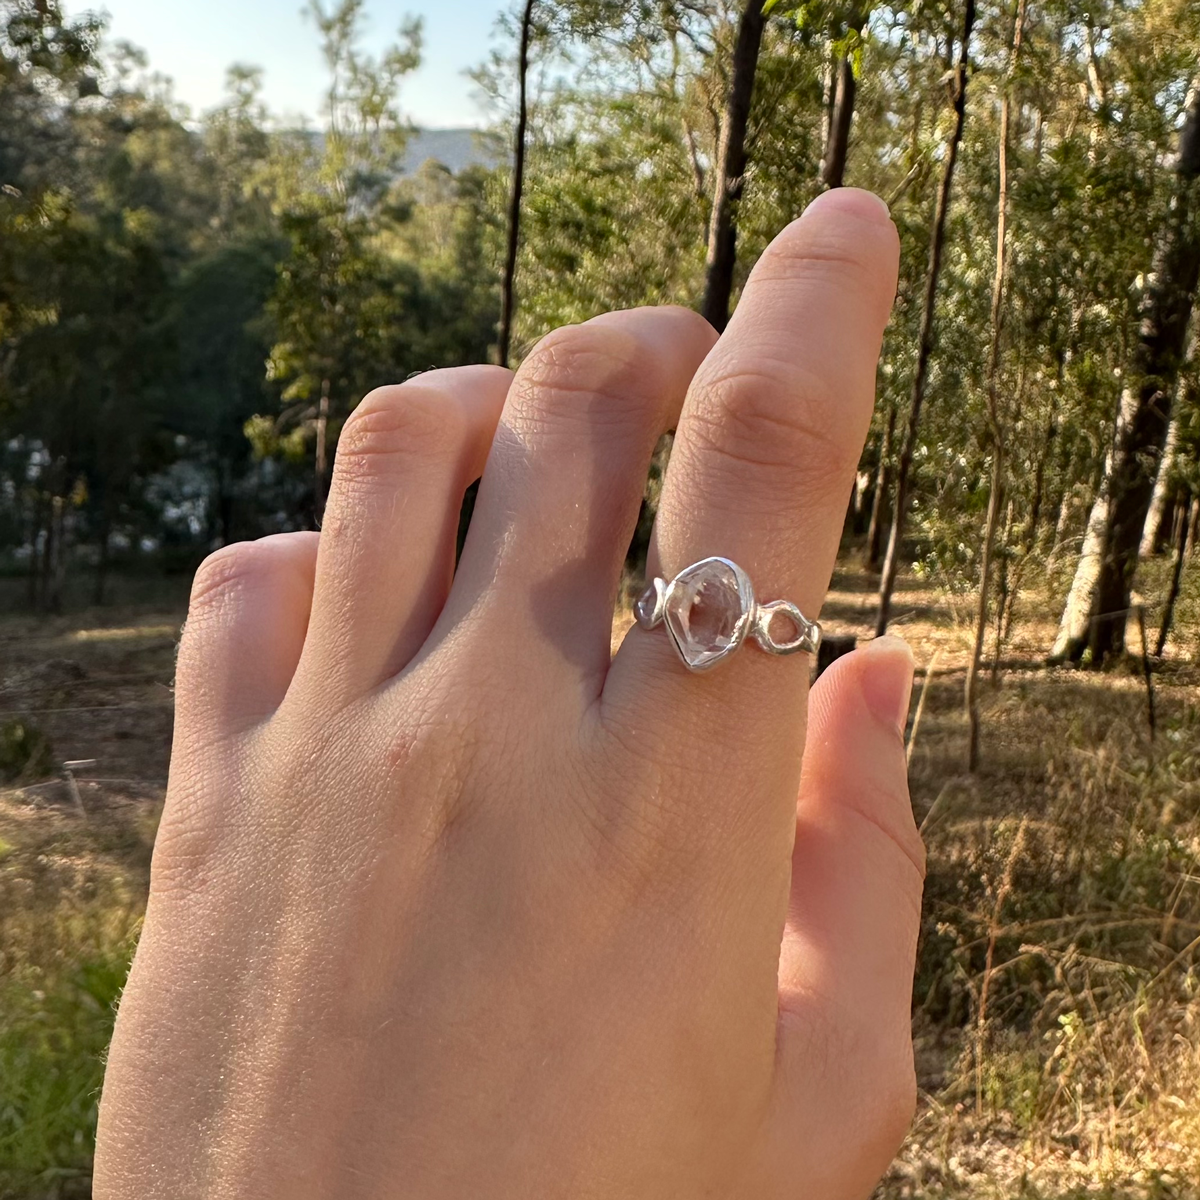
{"x": 1057, "y": 1003}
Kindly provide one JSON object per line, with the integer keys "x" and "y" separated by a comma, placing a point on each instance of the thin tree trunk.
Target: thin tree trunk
{"x": 321, "y": 458}
{"x": 1152, "y": 534}
{"x": 1003, "y": 605}
{"x": 1039, "y": 482}
{"x": 1097, "y": 607}
{"x": 1168, "y": 618}
{"x": 837, "y": 141}
{"x": 883, "y": 481}
{"x": 729, "y": 173}
{"x": 1162, "y": 486}
{"x": 995, "y": 499}
{"x": 995, "y": 419}
{"x": 507, "y": 293}
{"x": 908, "y": 450}
{"x": 1030, "y": 535}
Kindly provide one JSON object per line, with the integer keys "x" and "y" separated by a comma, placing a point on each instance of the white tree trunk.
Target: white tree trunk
{"x": 1077, "y": 612}
{"x": 1158, "y": 502}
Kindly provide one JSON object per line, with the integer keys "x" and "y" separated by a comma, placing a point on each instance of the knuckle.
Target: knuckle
{"x": 223, "y": 574}
{"x": 773, "y": 421}
{"x": 581, "y": 362}
{"x": 407, "y": 421}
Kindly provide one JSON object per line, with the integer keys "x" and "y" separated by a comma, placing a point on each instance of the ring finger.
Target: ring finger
{"x": 764, "y": 456}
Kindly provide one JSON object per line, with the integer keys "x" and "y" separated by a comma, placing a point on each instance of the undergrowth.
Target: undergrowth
{"x": 70, "y": 902}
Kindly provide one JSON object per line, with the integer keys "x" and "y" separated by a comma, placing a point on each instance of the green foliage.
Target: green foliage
{"x": 167, "y": 288}
{"x": 175, "y": 298}
{"x": 70, "y": 901}
{"x": 52, "y": 1043}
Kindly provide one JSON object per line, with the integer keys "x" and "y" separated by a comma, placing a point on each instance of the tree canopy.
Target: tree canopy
{"x": 190, "y": 305}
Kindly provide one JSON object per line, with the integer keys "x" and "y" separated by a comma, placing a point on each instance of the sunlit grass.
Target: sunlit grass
{"x": 124, "y": 633}
{"x": 70, "y": 904}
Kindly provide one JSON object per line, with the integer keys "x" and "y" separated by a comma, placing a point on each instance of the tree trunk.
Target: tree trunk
{"x": 1096, "y": 609}
{"x": 1030, "y": 534}
{"x": 321, "y": 459}
{"x": 883, "y": 481}
{"x": 837, "y": 141}
{"x": 507, "y": 294}
{"x": 1168, "y": 618}
{"x": 1162, "y": 486}
{"x": 729, "y": 174}
{"x": 995, "y": 499}
{"x": 1029, "y": 540}
{"x": 1004, "y": 593}
{"x": 900, "y": 504}
{"x": 995, "y": 418}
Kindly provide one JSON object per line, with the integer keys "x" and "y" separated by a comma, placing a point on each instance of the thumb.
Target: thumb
{"x": 849, "y": 946}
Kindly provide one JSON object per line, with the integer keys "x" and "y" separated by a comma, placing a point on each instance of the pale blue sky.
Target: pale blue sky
{"x": 193, "y": 41}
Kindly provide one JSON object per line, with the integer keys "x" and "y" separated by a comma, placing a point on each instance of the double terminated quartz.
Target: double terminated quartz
{"x": 707, "y": 608}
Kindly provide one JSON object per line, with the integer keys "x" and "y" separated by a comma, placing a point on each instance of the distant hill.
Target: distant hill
{"x": 453, "y": 148}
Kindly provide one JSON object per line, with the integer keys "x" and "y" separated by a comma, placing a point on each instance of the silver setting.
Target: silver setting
{"x": 737, "y": 613}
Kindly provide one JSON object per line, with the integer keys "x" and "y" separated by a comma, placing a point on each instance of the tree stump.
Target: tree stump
{"x": 833, "y": 646}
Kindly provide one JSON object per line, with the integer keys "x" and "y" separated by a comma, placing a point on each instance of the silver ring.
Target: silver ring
{"x": 709, "y": 609}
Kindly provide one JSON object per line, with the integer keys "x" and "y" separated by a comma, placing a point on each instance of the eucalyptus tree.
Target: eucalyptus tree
{"x": 1095, "y": 614}
{"x": 507, "y": 296}
{"x": 332, "y": 186}
{"x": 996, "y": 418}
{"x": 729, "y": 167}
{"x": 925, "y": 345}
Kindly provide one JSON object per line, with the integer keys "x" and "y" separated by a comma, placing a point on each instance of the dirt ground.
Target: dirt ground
{"x": 97, "y": 684}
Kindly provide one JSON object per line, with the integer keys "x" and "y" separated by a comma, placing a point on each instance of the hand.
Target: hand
{"x": 446, "y": 901}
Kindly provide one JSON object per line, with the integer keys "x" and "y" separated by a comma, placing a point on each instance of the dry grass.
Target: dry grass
{"x": 1057, "y": 1000}
{"x": 1056, "y": 1009}
{"x": 72, "y": 886}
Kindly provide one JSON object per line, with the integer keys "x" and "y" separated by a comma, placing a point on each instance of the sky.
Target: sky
{"x": 193, "y": 41}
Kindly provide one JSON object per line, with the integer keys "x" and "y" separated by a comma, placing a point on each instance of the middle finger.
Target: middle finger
{"x": 560, "y": 494}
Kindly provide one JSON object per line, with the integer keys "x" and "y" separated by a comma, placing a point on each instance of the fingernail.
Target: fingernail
{"x": 887, "y": 679}
{"x": 855, "y": 201}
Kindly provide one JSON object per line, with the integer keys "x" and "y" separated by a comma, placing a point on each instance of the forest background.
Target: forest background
{"x": 191, "y": 305}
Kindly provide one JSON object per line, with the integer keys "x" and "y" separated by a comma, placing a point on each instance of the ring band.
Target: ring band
{"x": 709, "y": 609}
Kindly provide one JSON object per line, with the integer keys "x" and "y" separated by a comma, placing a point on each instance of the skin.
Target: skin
{"x": 446, "y": 900}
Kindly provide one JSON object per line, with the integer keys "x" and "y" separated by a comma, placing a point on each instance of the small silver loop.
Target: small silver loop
{"x": 648, "y": 611}
{"x": 808, "y": 633}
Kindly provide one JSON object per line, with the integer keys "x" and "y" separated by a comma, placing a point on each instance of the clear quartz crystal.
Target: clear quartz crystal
{"x": 704, "y": 610}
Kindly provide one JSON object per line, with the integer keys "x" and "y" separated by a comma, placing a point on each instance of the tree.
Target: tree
{"x": 729, "y": 171}
{"x": 507, "y": 295}
{"x": 925, "y": 347}
{"x": 332, "y": 294}
{"x": 841, "y": 109}
{"x": 1096, "y": 610}
{"x": 996, "y": 420}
